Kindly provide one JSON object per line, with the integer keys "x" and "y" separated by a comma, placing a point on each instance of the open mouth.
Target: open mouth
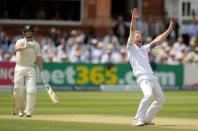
{"x": 139, "y": 41}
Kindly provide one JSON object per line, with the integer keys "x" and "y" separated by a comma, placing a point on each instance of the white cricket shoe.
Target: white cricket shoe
{"x": 21, "y": 114}
{"x": 28, "y": 114}
{"x": 138, "y": 123}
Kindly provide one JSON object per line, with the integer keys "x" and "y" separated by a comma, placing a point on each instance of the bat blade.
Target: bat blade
{"x": 51, "y": 94}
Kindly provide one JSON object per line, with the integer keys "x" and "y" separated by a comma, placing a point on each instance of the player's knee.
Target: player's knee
{"x": 161, "y": 100}
{"x": 18, "y": 87}
{"x": 18, "y": 91}
{"x": 148, "y": 96}
{"x": 32, "y": 90}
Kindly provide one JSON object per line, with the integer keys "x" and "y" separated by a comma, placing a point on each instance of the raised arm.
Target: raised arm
{"x": 134, "y": 16}
{"x": 159, "y": 39}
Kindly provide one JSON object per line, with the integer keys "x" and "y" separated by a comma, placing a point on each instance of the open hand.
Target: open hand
{"x": 171, "y": 25}
{"x": 135, "y": 13}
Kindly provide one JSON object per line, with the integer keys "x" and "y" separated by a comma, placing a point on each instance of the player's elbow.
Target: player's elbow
{"x": 39, "y": 59}
{"x": 148, "y": 97}
{"x": 156, "y": 41}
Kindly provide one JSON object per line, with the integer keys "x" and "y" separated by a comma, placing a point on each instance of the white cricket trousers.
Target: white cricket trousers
{"x": 25, "y": 78}
{"x": 147, "y": 111}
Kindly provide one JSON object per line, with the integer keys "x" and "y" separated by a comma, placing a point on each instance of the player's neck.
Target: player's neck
{"x": 138, "y": 44}
{"x": 29, "y": 39}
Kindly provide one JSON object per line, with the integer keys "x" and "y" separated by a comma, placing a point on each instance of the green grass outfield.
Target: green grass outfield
{"x": 179, "y": 104}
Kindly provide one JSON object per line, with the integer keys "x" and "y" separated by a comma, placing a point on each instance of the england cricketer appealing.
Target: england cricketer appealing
{"x": 27, "y": 53}
{"x": 138, "y": 57}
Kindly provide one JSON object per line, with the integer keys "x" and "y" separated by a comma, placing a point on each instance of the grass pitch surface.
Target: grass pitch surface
{"x": 101, "y": 111}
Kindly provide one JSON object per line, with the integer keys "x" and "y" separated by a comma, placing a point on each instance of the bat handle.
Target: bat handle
{"x": 42, "y": 77}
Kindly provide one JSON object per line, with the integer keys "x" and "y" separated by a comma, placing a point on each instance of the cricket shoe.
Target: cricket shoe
{"x": 138, "y": 123}
{"x": 21, "y": 114}
{"x": 28, "y": 114}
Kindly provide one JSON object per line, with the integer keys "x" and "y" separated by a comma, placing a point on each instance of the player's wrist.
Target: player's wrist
{"x": 133, "y": 17}
{"x": 24, "y": 47}
{"x": 42, "y": 76}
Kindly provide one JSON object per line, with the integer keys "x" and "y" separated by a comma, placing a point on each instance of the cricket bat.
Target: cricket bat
{"x": 50, "y": 91}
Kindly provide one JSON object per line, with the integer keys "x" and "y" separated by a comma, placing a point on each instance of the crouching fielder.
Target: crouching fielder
{"x": 27, "y": 53}
{"x": 138, "y": 57}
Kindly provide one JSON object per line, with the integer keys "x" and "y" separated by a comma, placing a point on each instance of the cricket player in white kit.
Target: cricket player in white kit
{"x": 139, "y": 60}
{"x": 27, "y": 53}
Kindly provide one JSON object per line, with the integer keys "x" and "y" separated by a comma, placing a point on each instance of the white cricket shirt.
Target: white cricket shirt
{"x": 27, "y": 56}
{"x": 138, "y": 58}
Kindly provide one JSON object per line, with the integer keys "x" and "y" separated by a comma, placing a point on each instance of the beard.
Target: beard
{"x": 28, "y": 37}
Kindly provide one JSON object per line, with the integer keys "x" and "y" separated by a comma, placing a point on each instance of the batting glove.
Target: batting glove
{"x": 42, "y": 77}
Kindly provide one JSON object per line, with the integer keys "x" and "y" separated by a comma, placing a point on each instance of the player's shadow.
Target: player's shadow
{"x": 173, "y": 125}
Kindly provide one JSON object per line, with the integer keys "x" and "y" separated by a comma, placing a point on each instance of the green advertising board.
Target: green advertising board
{"x": 67, "y": 74}
{"x": 170, "y": 75}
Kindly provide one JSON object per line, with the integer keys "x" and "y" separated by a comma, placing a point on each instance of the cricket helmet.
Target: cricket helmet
{"x": 28, "y": 28}
{"x": 26, "y": 31}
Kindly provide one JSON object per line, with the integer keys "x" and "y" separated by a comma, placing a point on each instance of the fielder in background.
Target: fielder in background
{"x": 27, "y": 53}
{"x": 139, "y": 60}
